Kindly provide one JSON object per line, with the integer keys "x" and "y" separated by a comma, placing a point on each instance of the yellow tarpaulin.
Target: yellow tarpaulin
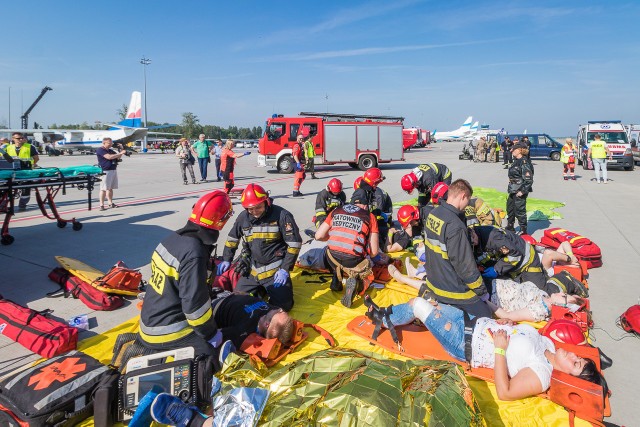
{"x": 315, "y": 303}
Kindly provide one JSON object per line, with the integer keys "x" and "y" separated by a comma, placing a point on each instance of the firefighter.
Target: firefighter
{"x": 479, "y": 213}
{"x": 520, "y": 185}
{"x": 452, "y": 275}
{"x": 351, "y": 232}
{"x": 504, "y": 253}
{"x": 423, "y": 178}
{"x": 328, "y": 199}
{"x": 379, "y": 202}
{"x": 177, "y": 307}
{"x": 228, "y": 164}
{"x": 299, "y": 158}
{"x": 409, "y": 219}
{"x": 271, "y": 244}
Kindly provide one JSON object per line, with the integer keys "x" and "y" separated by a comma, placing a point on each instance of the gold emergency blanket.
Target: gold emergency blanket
{"x": 343, "y": 387}
{"x": 315, "y": 303}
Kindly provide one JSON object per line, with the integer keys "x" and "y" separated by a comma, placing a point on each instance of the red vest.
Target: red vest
{"x": 350, "y": 230}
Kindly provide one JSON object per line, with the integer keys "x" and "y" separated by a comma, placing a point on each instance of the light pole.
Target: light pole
{"x": 145, "y": 61}
{"x": 9, "y": 107}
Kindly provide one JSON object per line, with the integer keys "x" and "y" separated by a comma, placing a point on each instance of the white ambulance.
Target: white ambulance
{"x": 614, "y": 134}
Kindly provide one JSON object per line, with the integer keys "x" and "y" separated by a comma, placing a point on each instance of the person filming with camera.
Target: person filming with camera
{"x": 108, "y": 160}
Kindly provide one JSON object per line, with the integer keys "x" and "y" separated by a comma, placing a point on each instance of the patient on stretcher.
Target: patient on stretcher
{"x": 522, "y": 359}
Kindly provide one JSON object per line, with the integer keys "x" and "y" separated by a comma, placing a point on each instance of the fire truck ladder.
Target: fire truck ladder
{"x": 354, "y": 117}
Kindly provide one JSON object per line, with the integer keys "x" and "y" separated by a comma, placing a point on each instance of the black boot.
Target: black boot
{"x": 350, "y": 292}
{"x": 523, "y": 230}
{"x": 510, "y": 227}
{"x": 373, "y": 311}
{"x": 336, "y": 285}
{"x": 605, "y": 361}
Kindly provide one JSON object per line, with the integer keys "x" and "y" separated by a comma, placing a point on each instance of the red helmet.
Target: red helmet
{"x": 373, "y": 177}
{"x": 564, "y": 331}
{"x": 335, "y": 186}
{"x": 356, "y": 183}
{"x": 253, "y": 195}
{"x": 630, "y": 319}
{"x": 408, "y": 182}
{"x": 406, "y": 214}
{"x": 438, "y": 192}
{"x": 304, "y": 131}
{"x": 529, "y": 239}
{"x": 212, "y": 210}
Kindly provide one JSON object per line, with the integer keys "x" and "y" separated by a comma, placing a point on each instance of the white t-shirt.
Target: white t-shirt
{"x": 526, "y": 349}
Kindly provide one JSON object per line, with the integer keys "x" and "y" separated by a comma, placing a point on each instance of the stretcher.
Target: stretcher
{"x": 579, "y": 397}
{"x": 50, "y": 181}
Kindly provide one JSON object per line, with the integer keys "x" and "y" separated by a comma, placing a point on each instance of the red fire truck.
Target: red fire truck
{"x": 359, "y": 140}
{"x": 412, "y": 137}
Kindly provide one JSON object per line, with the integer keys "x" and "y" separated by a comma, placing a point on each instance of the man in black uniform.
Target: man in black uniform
{"x": 328, "y": 199}
{"x": 177, "y": 307}
{"x": 505, "y": 254}
{"x": 271, "y": 242}
{"x": 452, "y": 274}
{"x": 424, "y": 178}
{"x": 520, "y": 185}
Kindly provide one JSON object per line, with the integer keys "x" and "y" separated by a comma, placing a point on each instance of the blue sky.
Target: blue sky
{"x": 538, "y": 65}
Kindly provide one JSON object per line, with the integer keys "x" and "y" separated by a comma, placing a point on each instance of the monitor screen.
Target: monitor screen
{"x": 146, "y": 382}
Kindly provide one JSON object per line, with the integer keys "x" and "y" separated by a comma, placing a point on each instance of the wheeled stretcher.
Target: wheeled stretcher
{"x": 50, "y": 181}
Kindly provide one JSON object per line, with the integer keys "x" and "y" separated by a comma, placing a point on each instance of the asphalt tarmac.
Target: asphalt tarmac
{"x": 153, "y": 201}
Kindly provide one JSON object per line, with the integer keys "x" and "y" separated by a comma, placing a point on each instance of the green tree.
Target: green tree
{"x": 190, "y": 125}
{"x": 122, "y": 112}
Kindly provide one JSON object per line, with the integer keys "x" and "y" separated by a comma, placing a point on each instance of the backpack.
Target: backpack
{"x": 120, "y": 280}
{"x": 92, "y": 297}
{"x": 56, "y": 392}
{"x": 583, "y": 248}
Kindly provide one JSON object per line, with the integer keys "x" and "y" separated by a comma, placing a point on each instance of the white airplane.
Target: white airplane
{"x": 462, "y": 131}
{"x": 127, "y": 130}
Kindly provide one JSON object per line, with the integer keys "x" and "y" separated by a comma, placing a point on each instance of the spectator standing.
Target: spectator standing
{"x": 108, "y": 160}
{"x": 183, "y": 152}
{"x": 599, "y": 151}
{"x": 28, "y": 155}
{"x": 202, "y": 151}
{"x": 228, "y": 164}
{"x": 217, "y": 158}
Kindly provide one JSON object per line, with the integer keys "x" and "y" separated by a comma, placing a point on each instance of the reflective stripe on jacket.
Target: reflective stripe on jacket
{"x": 350, "y": 230}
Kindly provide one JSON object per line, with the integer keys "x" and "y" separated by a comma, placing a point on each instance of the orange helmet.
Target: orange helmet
{"x": 408, "y": 182}
{"x": 253, "y": 195}
{"x": 406, "y": 214}
{"x": 373, "y": 177}
{"x": 212, "y": 210}
{"x": 356, "y": 183}
{"x": 334, "y": 186}
{"x": 438, "y": 192}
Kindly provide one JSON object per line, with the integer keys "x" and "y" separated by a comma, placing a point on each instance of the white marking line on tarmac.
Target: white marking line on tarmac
{"x": 146, "y": 199}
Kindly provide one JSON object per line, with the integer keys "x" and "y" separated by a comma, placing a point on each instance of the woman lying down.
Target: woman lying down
{"x": 510, "y": 300}
{"x": 521, "y": 358}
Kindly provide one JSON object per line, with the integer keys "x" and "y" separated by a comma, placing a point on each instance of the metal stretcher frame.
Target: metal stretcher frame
{"x": 51, "y": 186}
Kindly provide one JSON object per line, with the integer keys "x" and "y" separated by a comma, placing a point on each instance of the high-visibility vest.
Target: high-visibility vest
{"x": 568, "y": 154}
{"x": 350, "y": 230}
{"x": 310, "y": 151}
{"x": 24, "y": 154}
{"x": 598, "y": 149}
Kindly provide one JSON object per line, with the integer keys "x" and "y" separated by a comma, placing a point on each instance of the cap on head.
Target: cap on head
{"x": 253, "y": 195}
{"x": 212, "y": 210}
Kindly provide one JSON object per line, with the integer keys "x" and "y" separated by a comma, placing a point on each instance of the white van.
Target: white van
{"x": 614, "y": 134}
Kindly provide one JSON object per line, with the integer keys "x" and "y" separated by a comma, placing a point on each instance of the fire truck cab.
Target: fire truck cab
{"x": 361, "y": 141}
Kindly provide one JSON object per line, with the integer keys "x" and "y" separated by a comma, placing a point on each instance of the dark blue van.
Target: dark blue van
{"x": 542, "y": 145}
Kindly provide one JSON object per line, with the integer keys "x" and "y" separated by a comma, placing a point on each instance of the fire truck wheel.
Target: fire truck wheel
{"x": 285, "y": 165}
{"x": 366, "y": 162}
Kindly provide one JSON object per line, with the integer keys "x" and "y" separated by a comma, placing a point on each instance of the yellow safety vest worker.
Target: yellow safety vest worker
{"x": 598, "y": 149}
{"x": 309, "y": 150}
{"x": 24, "y": 154}
{"x": 567, "y": 153}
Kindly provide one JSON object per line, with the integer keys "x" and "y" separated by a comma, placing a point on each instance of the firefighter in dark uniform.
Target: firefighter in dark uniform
{"x": 177, "y": 307}
{"x": 379, "y": 202}
{"x": 409, "y": 219}
{"x": 351, "y": 233}
{"x": 503, "y": 253}
{"x": 328, "y": 199}
{"x": 272, "y": 242}
{"x": 452, "y": 274}
{"x": 438, "y": 194}
{"x": 479, "y": 213}
{"x": 297, "y": 152}
{"x": 424, "y": 178}
{"x": 520, "y": 185}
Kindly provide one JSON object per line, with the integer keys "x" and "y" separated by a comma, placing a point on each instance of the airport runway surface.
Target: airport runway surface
{"x": 153, "y": 202}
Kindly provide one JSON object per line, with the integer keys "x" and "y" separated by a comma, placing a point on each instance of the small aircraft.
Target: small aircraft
{"x": 125, "y": 131}
{"x": 462, "y": 131}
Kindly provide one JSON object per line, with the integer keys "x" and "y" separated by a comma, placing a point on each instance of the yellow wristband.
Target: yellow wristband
{"x": 501, "y": 351}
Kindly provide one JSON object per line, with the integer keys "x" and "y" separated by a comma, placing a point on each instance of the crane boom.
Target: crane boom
{"x": 25, "y": 116}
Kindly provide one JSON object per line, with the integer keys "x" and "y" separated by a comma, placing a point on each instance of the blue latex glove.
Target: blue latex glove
{"x": 490, "y": 273}
{"x": 384, "y": 216}
{"x": 246, "y": 153}
{"x": 421, "y": 269}
{"x": 280, "y": 278}
{"x": 222, "y": 267}
{"x": 423, "y": 257}
{"x": 377, "y": 258}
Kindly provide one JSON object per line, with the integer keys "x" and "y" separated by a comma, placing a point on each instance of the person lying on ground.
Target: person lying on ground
{"x": 561, "y": 256}
{"x": 509, "y": 299}
{"x": 522, "y": 359}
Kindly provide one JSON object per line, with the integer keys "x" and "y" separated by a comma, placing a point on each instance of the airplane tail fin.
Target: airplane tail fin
{"x": 467, "y": 124}
{"x": 134, "y": 113}
{"x": 474, "y": 127}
